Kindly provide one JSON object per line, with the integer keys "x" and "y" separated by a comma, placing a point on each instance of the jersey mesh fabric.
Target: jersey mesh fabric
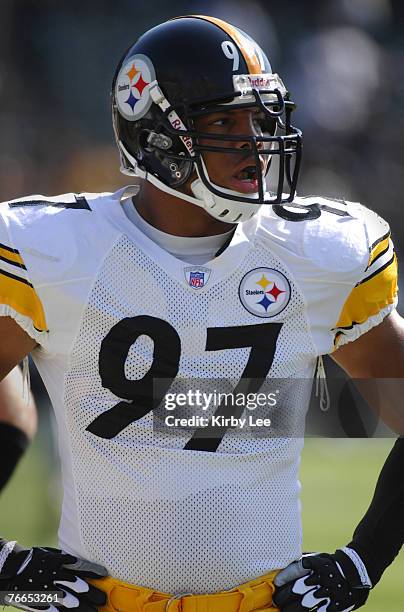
{"x": 153, "y": 513}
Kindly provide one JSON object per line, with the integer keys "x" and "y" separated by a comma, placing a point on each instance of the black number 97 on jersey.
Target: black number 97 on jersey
{"x": 139, "y": 397}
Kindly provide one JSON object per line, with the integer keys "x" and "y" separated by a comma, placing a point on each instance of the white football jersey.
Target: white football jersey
{"x": 111, "y": 311}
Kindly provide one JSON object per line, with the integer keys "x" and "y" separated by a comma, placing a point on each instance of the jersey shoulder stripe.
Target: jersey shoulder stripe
{"x": 19, "y": 295}
{"x": 368, "y": 303}
{"x": 382, "y": 261}
{"x": 378, "y": 248}
{"x": 46, "y": 242}
{"x": 16, "y": 290}
{"x": 11, "y": 256}
{"x": 370, "y": 296}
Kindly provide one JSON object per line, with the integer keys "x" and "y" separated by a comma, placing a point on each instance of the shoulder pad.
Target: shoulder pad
{"x": 336, "y": 240}
{"x": 55, "y": 234}
{"x": 320, "y": 230}
{"x": 377, "y": 229}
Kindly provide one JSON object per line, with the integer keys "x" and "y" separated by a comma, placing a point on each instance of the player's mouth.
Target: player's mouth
{"x": 245, "y": 179}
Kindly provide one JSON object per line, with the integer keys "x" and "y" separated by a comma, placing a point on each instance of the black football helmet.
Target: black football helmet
{"x": 192, "y": 66}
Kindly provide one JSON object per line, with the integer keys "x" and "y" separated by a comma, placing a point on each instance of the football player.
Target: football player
{"x": 18, "y": 422}
{"x": 212, "y": 269}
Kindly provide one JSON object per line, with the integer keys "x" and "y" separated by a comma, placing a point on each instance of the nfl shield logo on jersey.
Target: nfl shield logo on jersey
{"x": 264, "y": 292}
{"x": 197, "y": 277}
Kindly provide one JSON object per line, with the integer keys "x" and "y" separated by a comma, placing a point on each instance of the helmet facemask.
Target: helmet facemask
{"x": 278, "y": 140}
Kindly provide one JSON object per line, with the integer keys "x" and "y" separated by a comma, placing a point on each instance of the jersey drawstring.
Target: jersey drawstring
{"x": 26, "y": 380}
{"x": 321, "y": 385}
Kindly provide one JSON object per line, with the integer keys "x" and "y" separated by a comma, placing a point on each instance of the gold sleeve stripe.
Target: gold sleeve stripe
{"x": 379, "y": 248}
{"x": 7, "y": 248}
{"x": 379, "y": 270}
{"x": 13, "y": 261}
{"x": 243, "y": 43}
{"x": 11, "y": 256}
{"x": 376, "y": 242}
{"x": 370, "y": 296}
{"x": 20, "y": 295}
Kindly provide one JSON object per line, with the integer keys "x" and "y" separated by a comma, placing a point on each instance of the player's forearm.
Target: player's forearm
{"x": 384, "y": 398}
{"x": 16, "y": 407}
{"x": 13, "y": 443}
{"x": 380, "y": 534}
{"x": 18, "y": 422}
{"x": 375, "y": 362}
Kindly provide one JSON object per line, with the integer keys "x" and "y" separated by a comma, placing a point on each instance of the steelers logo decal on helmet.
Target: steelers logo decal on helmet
{"x": 264, "y": 292}
{"x": 132, "y": 87}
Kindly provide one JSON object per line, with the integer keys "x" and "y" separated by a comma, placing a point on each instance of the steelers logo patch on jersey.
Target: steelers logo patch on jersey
{"x": 132, "y": 87}
{"x": 264, "y": 292}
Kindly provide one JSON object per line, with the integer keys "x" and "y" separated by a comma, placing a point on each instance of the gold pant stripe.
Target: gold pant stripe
{"x": 22, "y": 297}
{"x": 247, "y": 597}
{"x": 246, "y": 47}
{"x": 369, "y": 298}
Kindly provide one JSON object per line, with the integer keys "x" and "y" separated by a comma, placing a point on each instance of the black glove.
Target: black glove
{"x": 323, "y": 582}
{"x": 49, "y": 570}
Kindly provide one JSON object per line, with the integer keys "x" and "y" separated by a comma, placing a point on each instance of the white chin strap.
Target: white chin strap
{"x": 228, "y": 211}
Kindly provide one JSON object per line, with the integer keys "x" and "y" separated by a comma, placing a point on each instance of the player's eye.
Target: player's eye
{"x": 266, "y": 125}
{"x": 259, "y": 120}
{"x": 223, "y": 121}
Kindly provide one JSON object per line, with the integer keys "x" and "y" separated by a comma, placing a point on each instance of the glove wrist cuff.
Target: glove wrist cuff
{"x": 359, "y": 565}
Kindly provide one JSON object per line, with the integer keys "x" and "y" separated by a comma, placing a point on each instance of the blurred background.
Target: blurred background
{"x": 342, "y": 60}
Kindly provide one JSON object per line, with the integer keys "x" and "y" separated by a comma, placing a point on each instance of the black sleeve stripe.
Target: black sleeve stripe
{"x": 40, "y": 330}
{"x": 13, "y": 263}
{"x": 7, "y": 248}
{"x": 386, "y": 265}
{"x": 17, "y": 278}
{"x": 387, "y": 235}
{"x": 347, "y": 327}
{"x": 80, "y": 203}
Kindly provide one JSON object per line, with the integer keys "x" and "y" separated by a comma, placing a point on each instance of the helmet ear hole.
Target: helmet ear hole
{"x": 156, "y": 151}
{"x": 143, "y": 136}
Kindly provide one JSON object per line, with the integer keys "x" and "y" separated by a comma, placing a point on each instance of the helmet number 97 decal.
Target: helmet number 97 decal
{"x": 231, "y": 52}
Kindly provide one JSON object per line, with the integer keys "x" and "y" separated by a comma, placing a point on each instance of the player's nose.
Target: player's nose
{"x": 246, "y": 126}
